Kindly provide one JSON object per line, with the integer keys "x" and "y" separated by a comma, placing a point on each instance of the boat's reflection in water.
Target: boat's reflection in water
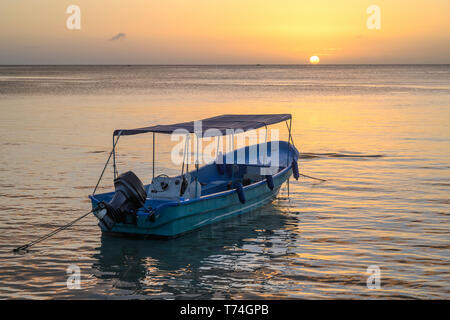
{"x": 198, "y": 264}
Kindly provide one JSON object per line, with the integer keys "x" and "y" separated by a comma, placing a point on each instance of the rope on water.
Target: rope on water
{"x": 306, "y": 176}
{"x": 25, "y": 247}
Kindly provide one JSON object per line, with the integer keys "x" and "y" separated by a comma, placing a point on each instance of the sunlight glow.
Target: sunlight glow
{"x": 314, "y": 60}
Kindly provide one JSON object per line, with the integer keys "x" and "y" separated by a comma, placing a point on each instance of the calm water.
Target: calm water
{"x": 380, "y": 135}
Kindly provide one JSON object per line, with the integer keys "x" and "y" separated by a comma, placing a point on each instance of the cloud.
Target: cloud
{"x": 118, "y": 36}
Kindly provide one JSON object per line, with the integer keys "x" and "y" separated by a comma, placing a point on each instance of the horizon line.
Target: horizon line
{"x": 222, "y": 64}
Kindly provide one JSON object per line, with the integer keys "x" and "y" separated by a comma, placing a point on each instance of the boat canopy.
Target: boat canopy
{"x": 221, "y": 123}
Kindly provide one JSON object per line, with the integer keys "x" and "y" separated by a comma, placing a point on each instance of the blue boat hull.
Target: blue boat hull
{"x": 177, "y": 218}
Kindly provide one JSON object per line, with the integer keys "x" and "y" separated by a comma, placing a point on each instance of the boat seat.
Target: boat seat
{"x": 171, "y": 193}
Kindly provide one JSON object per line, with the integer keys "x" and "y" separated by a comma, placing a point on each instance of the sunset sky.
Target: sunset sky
{"x": 223, "y": 31}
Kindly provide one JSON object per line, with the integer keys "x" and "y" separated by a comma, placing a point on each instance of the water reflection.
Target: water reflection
{"x": 152, "y": 267}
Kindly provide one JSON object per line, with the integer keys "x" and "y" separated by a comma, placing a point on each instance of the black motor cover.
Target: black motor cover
{"x": 129, "y": 196}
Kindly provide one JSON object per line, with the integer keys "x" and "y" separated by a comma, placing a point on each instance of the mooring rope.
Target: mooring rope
{"x": 306, "y": 176}
{"x": 40, "y": 239}
{"x": 113, "y": 151}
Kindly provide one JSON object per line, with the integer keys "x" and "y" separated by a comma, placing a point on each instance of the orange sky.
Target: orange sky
{"x": 224, "y": 31}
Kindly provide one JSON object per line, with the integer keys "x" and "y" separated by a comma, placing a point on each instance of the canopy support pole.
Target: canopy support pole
{"x": 218, "y": 145}
{"x": 196, "y": 167}
{"x": 290, "y": 135}
{"x": 188, "y": 151}
{"x": 153, "y": 158}
{"x": 184, "y": 154}
{"x": 114, "y": 159}
{"x": 289, "y": 149}
{"x": 289, "y": 140}
{"x": 265, "y": 142}
{"x": 234, "y": 160}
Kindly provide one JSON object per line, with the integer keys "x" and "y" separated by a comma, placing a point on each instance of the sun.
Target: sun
{"x": 314, "y": 60}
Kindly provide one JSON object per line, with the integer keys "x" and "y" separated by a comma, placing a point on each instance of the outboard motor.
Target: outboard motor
{"x": 129, "y": 196}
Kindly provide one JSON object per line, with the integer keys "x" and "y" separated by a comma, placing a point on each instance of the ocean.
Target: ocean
{"x": 378, "y": 134}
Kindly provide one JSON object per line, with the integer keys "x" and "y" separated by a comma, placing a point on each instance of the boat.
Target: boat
{"x": 238, "y": 181}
